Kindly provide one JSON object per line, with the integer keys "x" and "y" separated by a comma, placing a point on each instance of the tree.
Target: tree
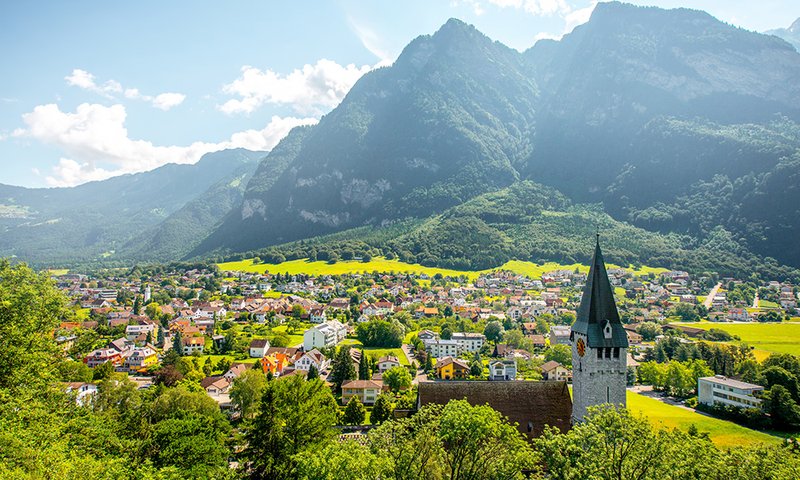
{"x": 103, "y": 371}
{"x": 448, "y": 311}
{"x": 447, "y": 332}
{"x": 782, "y": 408}
{"x": 344, "y": 461}
{"x": 31, "y": 308}
{"x": 380, "y": 333}
{"x": 476, "y": 368}
{"x": 382, "y": 410}
{"x": 559, "y": 353}
{"x": 397, "y": 378}
{"x": 428, "y": 363}
{"x": 354, "y": 412}
{"x": 137, "y": 305}
{"x": 363, "y": 367}
{"x": 686, "y": 311}
{"x": 649, "y": 330}
{"x": 246, "y": 391}
{"x": 177, "y": 343}
{"x": 295, "y": 416}
{"x": 313, "y": 373}
{"x": 342, "y": 369}
{"x": 493, "y": 331}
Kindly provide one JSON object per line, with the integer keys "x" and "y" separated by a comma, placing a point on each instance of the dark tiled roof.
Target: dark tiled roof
{"x": 529, "y": 404}
{"x": 598, "y": 307}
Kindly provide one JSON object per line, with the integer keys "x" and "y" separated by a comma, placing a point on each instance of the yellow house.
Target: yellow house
{"x": 140, "y": 359}
{"x": 449, "y": 368}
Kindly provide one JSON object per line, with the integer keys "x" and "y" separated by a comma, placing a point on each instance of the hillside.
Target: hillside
{"x": 59, "y": 226}
{"x": 791, "y": 34}
{"x": 669, "y": 120}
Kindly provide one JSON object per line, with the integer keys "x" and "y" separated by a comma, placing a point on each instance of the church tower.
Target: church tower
{"x": 599, "y": 345}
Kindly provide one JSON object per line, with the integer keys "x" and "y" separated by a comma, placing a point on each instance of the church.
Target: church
{"x": 599, "y": 345}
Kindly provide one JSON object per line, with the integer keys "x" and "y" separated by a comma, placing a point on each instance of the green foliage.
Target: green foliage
{"x": 559, "y": 353}
{"x": 382, "y": 410}
{"x": 493, "y": 331}
{"x": 295, "y": 416}
{"x": 342, "y": 368}
{"x": 354, "y": 412}
{"x": 380, "y": 333}
{"x": 397, "y": 378}
{"x": 246, "y": 391}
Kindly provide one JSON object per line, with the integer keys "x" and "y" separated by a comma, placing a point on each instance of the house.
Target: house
{"x": 501, "y": 350}
{"x": 340, "y": 303}
{"x": 720, "y": 390}
{"x": 554, "y": 371}
{"x": 275, "y": 363}
{"x": 216, "y": 385}
{"x": 366, "y": 391}
{"x": 738, "y": 315}
{"x": 313, "y": 357}
{"x": 529, "y": 328}
{"x": 633, "y": 337}
{"x": 259, "y": 347}
{"x": 387, "y": 362}
{"x": 101, "y": 356}
{"x": 235, "y": 370}
{"x": 538, "y": 341}
{"x": 531, "y": 405}
{"x": 560, "y": 335}
{"x": 439, "y": 348}
{"x": 503, "y": 370}
{"x": 471, "y": 342}
{"x": 140, "y": 359}
{"x": 327, "y": 334}
{"x": 84, "y": 392}
{"x": 426, "y": 335}
{"x": 133, "y": 331}
{"x": 317, "y": 315}
{"x": 193, "y": 344}
{"x": 448, "y": 368}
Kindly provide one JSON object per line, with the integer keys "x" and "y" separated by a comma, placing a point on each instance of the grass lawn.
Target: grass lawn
{"x": 294, "y": 339}
{"x": 381, "y": 264}
{"x": 767, "y": 304}
{"x": 723, "y": 433}
{"x": 769, "y": 337}
{"x": 58, "y": 271}
{"x": 378, "y": 352}
{"x": 407, "y": 338}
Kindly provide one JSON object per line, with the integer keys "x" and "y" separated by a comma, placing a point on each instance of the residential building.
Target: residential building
{"x": 133, "y": 331}
{"x": 503, "y": 370}
{"x": 387, "y": 362}
{"x": 471, "y": 342}
{"x": 449, "y": 368}
{"x": 101, "y": 356}
{"x": 554, "y": 371}
{"x": 193, "y": 344}
{"x": 327, "y": 334}
{"x": 235, "y": 370}
{"x": 439, "y": 348}
{"x": 720, "y": 390}
{"x": 560, "y": 335}
{"x": 259, "y": 347}
{"x": 216, "y": 385}
{"x": 84, "y": 392}
{"x": 313, "y": 357}
{"x": 366, "y": 391}
{"x": 140, "y": 359}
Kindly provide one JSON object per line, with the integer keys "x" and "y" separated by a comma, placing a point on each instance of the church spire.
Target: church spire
{"x": 598, "y": 317}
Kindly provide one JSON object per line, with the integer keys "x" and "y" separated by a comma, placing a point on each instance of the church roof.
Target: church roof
{"x": 531, "y": 405}
{"x": 598, "y": 308}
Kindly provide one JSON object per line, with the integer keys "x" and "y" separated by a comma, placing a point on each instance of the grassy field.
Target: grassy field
{"x": 58, "y": 271}
{"x": 294, "y": 339}
{"x": 722, "y": 432}
{"x": 378, "y": 352}
{"x": 381, "y": 264}
{"x": 765, "y": 337}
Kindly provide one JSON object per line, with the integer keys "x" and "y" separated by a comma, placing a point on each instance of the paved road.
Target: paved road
{"x": 711, "y": 295}
{"x": 755, "y": 301}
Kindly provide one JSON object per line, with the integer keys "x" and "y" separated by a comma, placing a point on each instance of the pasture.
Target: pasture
{"x": 781, "y": 337}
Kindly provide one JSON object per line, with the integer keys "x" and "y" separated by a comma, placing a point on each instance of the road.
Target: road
{"x": 755, "y": 301}
{"x": 711, "y": 295}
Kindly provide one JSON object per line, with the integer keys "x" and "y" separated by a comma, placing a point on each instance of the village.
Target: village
{"x": 206, "y": 327}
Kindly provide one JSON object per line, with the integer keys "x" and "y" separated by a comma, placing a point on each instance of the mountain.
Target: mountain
{"x": 670, "y": 120}
{"x": 449, "y": 120}
{"x": 58, "y": 226}
{"x": 791, "y": 34}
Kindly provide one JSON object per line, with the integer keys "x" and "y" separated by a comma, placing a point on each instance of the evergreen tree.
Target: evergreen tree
{"x": 354, "y": 413}
{"x": 160, "y": 337}
{"x": 149, "y": 338}
{"x": 364, "y": 367}
{"x": 177, "y": 343}
{"x": 382, "y": 410}
{"x": 313, "y": 373}
{"x": 137, "y": 305}
{"x": 428, "y": 363}
{"x": 342, "y": 369}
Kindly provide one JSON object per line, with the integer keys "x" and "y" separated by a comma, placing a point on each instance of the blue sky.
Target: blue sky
{"x": 92, "y": 89}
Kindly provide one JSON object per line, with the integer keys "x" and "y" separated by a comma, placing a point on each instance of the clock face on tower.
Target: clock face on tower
{"x": 581, "y": 347}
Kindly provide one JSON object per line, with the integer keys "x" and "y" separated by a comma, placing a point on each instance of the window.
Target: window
{"x": 616, "y": 352}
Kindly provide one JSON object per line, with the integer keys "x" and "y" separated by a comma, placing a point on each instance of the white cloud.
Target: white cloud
{"x": 85, "y": 80}
{"x": 371, "y": 41}
{"x": 96, "y": 144}
{"x": 534, "y": 7}
{"x": 314, "y": 89}
{"x": 578, "y": 17}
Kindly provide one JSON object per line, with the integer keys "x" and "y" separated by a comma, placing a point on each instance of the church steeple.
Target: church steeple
{"x": 598, "y": 318}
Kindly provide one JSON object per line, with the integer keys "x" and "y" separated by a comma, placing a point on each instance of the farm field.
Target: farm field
{"x": 381, "y": 264}
{"x": 722, "y": 432}
{"x": 765, "y": 337}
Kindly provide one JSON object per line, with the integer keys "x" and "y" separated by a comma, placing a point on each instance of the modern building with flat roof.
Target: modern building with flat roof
{"x": 720, "y": 390}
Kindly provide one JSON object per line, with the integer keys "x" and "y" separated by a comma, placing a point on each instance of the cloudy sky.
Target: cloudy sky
{"x": 93, "y": 89}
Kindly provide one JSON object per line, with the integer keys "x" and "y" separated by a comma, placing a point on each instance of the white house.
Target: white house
{"x": 84, "y": 392}
{"x": 720, "y": 390}
{"x": 442, "y": 348}
{"x": 559, "y": 335}
{"x": 387, "y": 362}
{"x": 503, "y": 370}
{"x": 469, "y": 341}
{"x": 317, "y": 315}
{"x": 312, "y": 357}
{"x": 366, "y": 391}
{"x": 327, "y": 334}
{"x": 259, "y": 347}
